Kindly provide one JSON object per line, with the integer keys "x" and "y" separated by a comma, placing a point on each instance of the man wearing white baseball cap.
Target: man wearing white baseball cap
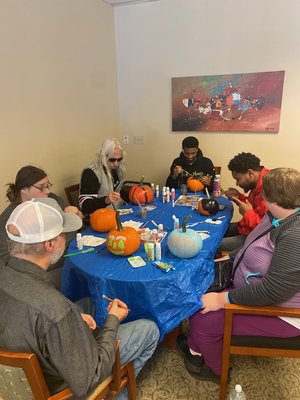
{"x": 35, "y": 317}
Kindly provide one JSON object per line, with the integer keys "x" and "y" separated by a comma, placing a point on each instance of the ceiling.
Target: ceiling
{"x": 117, "y": 3}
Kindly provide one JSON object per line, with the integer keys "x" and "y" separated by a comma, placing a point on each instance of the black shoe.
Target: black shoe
{"x": 205, "y": 374}
{"x": 193, "y": 363}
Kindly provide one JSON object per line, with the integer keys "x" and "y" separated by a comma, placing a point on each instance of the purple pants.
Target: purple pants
{"x": 206, "y": 333}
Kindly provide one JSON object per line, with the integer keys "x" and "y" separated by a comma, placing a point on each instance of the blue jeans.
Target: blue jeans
{"x": 138, "y": 342}
{"x": 232, "y": 240}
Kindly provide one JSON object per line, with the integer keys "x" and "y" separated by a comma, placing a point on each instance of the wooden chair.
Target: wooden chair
{"x": 217, "y": 170}
{"x": 21, "y": 377}
{"x": 72, "y": 194}
{"x": 255, "y": 345}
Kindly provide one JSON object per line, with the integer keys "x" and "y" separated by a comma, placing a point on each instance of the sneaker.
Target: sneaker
{"x": 205, "y": 374}
{"x": 192, "y": 362}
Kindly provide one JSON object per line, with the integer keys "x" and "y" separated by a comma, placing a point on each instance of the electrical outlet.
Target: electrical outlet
{"x": 138, "y": 139}
{"x": 125, "y": 139}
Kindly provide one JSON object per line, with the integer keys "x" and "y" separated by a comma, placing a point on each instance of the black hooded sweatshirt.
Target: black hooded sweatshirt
{"x": 201, "y": 164}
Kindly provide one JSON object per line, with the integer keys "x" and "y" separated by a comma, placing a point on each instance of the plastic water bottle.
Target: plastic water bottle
{"x": 237, "y": 393}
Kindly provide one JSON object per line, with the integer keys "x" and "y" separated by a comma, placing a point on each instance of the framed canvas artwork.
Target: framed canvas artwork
{"x": 249, "y": 102}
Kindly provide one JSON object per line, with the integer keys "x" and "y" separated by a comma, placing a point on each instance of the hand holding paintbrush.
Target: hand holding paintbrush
{"x": 117, "y": 307}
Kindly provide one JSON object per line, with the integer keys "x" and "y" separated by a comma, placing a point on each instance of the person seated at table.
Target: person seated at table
{"x": 191, "y": 162}
{"x": 248, "y": 174}
{"x": 30, "y": 182}
{"x": 102, "y": 181}
{"x": 268, "y": 274}
{"x": 37, "y": 318}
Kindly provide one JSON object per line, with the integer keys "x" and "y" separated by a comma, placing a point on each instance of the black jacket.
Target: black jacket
{"x": 201, "y": 164}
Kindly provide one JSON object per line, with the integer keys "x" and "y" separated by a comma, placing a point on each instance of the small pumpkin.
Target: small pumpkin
{"x": 122, "y": 241}
{"x": 184, "y": 243}
{"x": 194, "y": 184}
{"x": 208, "y": 206}
{"x": 103, "y": 220}
{"x": 141, "y": 194}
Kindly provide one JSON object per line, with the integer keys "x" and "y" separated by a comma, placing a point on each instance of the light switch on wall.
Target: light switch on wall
{"x": 125, "y": 139}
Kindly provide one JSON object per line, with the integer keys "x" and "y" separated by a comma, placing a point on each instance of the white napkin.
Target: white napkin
{"x": 134, "y": 224}
{"x": 90, "y": 240}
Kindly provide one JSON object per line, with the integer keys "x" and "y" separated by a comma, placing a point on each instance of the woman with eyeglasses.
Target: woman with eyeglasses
{"x": 30, "y": 182}
{"x": 102, "y": 181}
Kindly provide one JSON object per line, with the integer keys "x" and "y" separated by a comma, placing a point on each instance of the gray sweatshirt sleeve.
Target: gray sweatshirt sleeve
{"x": 81, "y": 360}
{"x": 282, "y": 279}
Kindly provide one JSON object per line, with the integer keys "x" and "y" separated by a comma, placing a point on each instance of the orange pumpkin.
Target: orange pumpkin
{"x": 141, "y": 194}
{"x": 103, "y": 220}
{"x": 122, "y": 241}
{"x": 194, "y": 184}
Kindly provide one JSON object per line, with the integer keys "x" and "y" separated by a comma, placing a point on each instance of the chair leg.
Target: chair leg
{"x": 131, "y": 386}
{"x": 225, "y": 354}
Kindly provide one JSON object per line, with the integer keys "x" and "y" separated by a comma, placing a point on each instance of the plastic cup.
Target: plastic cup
{"x": 143, "y": 213}
{"x": 183, "y": 189}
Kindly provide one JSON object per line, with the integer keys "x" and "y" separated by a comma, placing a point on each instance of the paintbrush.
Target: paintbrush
{"x": 109, "y": 299}
{"x": 76, "y": 253}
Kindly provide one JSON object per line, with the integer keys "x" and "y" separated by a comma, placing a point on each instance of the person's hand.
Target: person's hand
{"x": 118, "y": 308}
{"x": 176, "y": 171}
{"x": 231, "y": 192}
{"x": 213, "y": 302}
{"x": 73, "y": 210}
{"x": 89, "y": 320}
{"x": 205, "y": 179}
{"x": 244, "y": 206}
{"x": 112, "y": 197}
{"x": 224, "y": 258}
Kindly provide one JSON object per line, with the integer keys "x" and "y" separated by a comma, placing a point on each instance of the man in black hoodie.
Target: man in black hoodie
{"x": 191, "y": 162}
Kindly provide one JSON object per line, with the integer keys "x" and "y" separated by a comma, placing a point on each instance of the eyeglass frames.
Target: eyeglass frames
{"x": 43, "y": 188}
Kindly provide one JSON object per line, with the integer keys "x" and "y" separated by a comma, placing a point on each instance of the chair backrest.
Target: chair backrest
{"x": 72, "y": 194}
{"x": 21, "y": 377}
{"x": 217, "y": 170}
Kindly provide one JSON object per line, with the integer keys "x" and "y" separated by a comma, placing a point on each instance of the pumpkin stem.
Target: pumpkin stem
{"x": 119, "y": 225}
{"x": 142, "y": 181}
{"x": 184, "y": 222}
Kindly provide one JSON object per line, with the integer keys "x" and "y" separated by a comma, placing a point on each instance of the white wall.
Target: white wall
{"x": 179, "y": 38}
{"x": 58, "y": 86}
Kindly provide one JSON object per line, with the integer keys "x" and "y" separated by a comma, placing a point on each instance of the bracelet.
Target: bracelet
{"x": 227, "y": 297}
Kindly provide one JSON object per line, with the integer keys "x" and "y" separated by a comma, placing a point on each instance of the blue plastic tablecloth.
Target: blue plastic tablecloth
{"x": 166, "y": 298}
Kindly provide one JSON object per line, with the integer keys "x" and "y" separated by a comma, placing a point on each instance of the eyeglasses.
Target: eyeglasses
{"x": 43, "y": 188}
{"x": 112, "y": 160}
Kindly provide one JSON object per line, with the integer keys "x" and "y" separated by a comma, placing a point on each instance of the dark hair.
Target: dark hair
{"x": 190, "y": 142}
{"x": 282, "y": 186}
{"x": 244, "y": 161}
{"x": 26, "y": 177}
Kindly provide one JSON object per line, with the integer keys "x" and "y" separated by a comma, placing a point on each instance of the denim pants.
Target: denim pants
{"x": 232, "y": 240}
{"x": 138, "y": 341}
